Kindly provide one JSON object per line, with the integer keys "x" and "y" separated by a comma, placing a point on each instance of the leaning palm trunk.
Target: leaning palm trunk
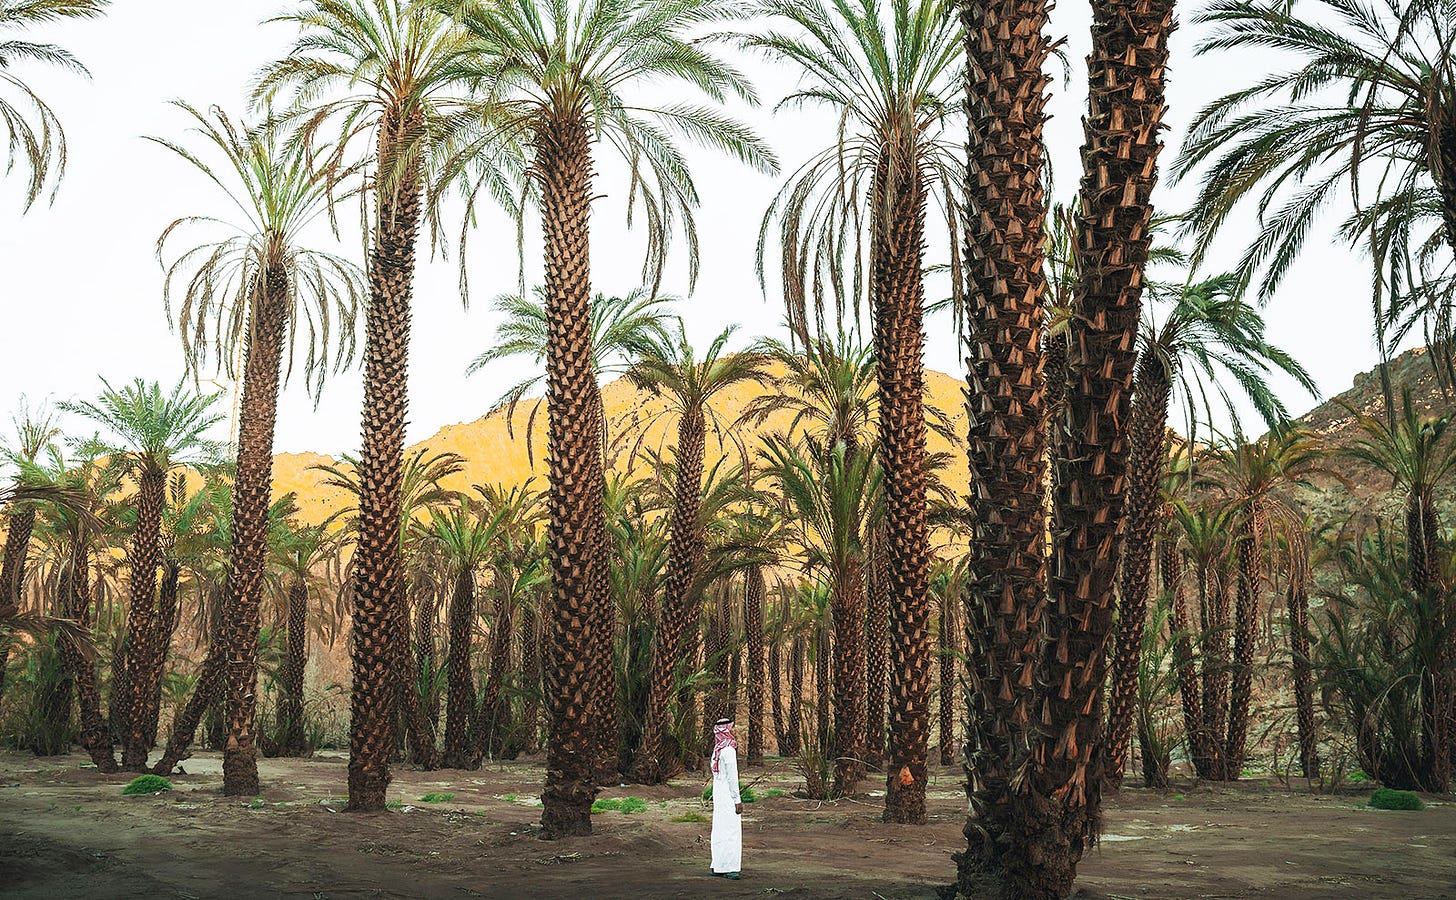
{"x": 1147, "y": 433}
{"x": 1241, "y": 688}
{"x": 563, "y": 167}
{"x": 380, "y": 619}
{"x": 898, "y": 293}
{"x": 849, "y": 674}
{"x": 12, "y": 572}
{"x": 243, "y": 595}
{"x": 753, "y": 600}
{"x": 460, "y": 699}
{"x": 76, "y": 586}
{"x": 140, "y": 648}
{"x": 290, "y": 698}
{"x": 681, "y": 605}
{"x": 1005, "y": 595}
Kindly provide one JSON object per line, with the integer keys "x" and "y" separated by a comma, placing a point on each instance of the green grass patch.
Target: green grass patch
{"x": 511, "y": 798}
{"x": 437, "y": 798}
{"x": 147, "y": 784}
{"x": 256, "y": 803}
{"x": 624, "y": 805}
{"x": 1357, "y": 775}
{"x": 772, "y": 792}
{"x": 1385, "y": 798}
{"x": 699, "y": 818}
{"x": 745, "y": 793}
{"x": 394, "y": 804}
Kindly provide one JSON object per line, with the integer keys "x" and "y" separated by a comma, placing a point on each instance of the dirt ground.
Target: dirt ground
{"x": 66, "y": 831}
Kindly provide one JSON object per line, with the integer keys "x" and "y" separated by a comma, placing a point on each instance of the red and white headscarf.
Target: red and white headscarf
{"x": 723, "y": 737}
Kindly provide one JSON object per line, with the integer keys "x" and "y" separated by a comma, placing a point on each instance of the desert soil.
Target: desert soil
{"x": 67, "y": 831}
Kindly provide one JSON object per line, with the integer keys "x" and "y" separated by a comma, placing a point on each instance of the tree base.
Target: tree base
{"x": 240, "y": 773}
{"x": 367, "y": 788}
{"x": 566, "y": 810}
{"x": 905, "y": 796}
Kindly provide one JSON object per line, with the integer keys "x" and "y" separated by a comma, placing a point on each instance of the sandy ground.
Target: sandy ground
{"x": 66, "y": 831}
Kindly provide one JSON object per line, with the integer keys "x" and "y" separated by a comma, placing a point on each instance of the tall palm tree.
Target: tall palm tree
{"x": 828, "y": 493}
{"x": 1208, "y": 331}
{"x": 688, "y": 382}
{"x": 149, "y": 433}
{"x": 1368, "y": 109}
{"x": 37, "y": 141}
{"x": 247, "y": 284}
{"x": 563, "y": 74}
{"x": 387, "y": 72}
{"x": 889, "y": 74}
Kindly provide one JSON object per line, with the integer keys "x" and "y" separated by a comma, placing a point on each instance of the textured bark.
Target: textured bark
{"x": 1213, "y": 590}
{"x": 252, "y": 490}
{"x": 1297, "y": 605}
{"x": 563, "y": 168}
{"x": 211, "y": 682}
{"x": 1170, "y": 573}
{"x": 290, "y": 698}
{"x": 141, "y": 673}
{"x": 796, "y": 697}
{"x": 381, "y": 611}
{"x": 460, "y": 702}
{"x": 1147, "y": 432}
{"x": 607, "y": 749}
{"x": 947, "y": 664}
{"x": 166, "y": 627}
{"x": 1005, "y": 596}
{"x": 677, "y": 631}
{"x": 715, "y": 653}
{"x": 12, "y": 572}
{"x": 753, "y": 605}
{"x": 849, "y": 674}
{"x": 1246, "y": 612}
{"x": 877, "y": 653}
{"x": 898, "y": 294}
{"x": 95, "y": 736}
{"x": 495, "y": 719}
{"x": 776, "y": 697}
{"x": 427, "y": 628}
{"x": 823, "y": 689}
{"x": 531, "y": 664}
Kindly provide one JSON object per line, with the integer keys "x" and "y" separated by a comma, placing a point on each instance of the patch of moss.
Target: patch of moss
{"x": 625, "y": 805}
{"x": 1385, "y": 798}
{"x": 147, "y": 784}
{"x": 437, "y": 798}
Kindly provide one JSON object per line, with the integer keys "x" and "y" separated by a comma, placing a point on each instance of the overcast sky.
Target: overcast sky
{"x": 80, "y": 295}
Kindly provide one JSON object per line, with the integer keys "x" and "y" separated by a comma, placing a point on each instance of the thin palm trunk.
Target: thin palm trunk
{"x": 603, "y": 662}
{"x": 1241, "y": 688}
{"x": 563, "y": 166}
{"x": 1170, "y": 572}
{"x": 877, "y": 653}
{"x": 1297, "y": 605}
{"x": 849, "y": 674}
{"x": 1213, "y": 588}
{"x": 290, "y": 698}
{"x": 12, "y": 572}
{"x": 252, "y": 490}
{"x": 753, "y": 601}
{"x": 947, "y": 662}
{"x": 95, "y": 735}
{"x": 823, "y": 688}
{"x": 136, "y": 699}
{"x": 776, "y": 697}
{"x": 796, "y": 697}
{"x": 531, "y": 664}
{"x": 495, "y": 719}
{"x": 677, "y": 633}
{"x": 1147, "y": 433}
{"x": 1005, "y": 597}
{"x": 381, "y": 611}
{"x": 899, "y": 295}
{"x": 427, "y": 627}
{"x": 460, "y": 699}
{"x": 166, "y": 627}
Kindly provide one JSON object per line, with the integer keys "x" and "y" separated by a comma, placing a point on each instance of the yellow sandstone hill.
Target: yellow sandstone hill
{"x": 636, "y": 423}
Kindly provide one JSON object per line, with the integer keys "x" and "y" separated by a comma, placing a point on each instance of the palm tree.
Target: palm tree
{"x": 1369, "y": 109}
{"x": 689, "y": 383}
{"x": 36, "y": 138}
{"x": 34, "y": 432}
{"x": 828, "y": 493}
{"x": 384, "y": 71}
{"x": 297, "y": 551}
{"x": 891, "y": 84}
{"x": 1209, "y": 330}
{"x": 150, "y": 433}
{"x": 560, "y": 75}
{"x": 248, "y": 284}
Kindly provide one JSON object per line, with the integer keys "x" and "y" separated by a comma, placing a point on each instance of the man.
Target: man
{"x": 727, "y": 840}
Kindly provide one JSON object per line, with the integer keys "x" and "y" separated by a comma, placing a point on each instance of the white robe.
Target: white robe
{"x": 727, "y": 840}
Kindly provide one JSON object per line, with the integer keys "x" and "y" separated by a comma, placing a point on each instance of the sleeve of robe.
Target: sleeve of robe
{"x": 728, "y": 771}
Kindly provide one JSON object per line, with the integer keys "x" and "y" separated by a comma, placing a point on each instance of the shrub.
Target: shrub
{"x": 1385, "y": 798}
{"x": 147, "y": 784}
{"x": 625, "y": 805}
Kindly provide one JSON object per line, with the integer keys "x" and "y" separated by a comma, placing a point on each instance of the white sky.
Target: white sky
{"x": 80, "y": 294}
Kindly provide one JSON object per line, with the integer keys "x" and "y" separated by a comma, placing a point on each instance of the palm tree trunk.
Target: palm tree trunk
{"x": 141, "y": 620}
{"x": 290, "y": 699}
{"x": 12, "y": 572}
{"x": 753, "y": 600}
{"x": 460, "y": 700}
{"x": 823, "y": 689}
{"x": 1005, "y": 596}
{"x": 877, "y": 653}
{"x": 604, "y": 630}
{"x": 95, "y": 735}
{"x": 1245, "y": 634}
{"x": 796, "y": 697}
{"x": 427, "y": 627}
{"x": 776, "y": 697}
{"x": 849, "y": 674}
{"x": 1170, "y": 572}
{"x": 1214, "y": 590}
{"x": 531, "y": 664}
{"x": 494, "y": 707}
{"x": 1147, "y": 432}
{"x": 243, "y": 594}
{"x": 166, "y": 627}
{"x": 947, "y": 661}
{"x": 563, "y": 165}
{"x": 1297, "y": 604}
{"x": 677, "y": 632}
{"x": 899, "y": 295}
